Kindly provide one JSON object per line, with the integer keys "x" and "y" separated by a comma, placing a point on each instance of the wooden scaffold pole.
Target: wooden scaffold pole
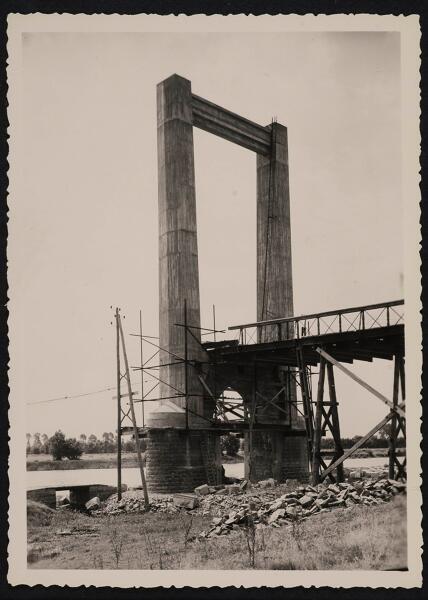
{"x": 132, "y": 411}
{"x": 119, "y": 411}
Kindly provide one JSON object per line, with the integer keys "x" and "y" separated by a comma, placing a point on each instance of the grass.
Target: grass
{"x": 38, "y": 514}
{"x": 361, "y": 537}
{"x": 45, "y": 462}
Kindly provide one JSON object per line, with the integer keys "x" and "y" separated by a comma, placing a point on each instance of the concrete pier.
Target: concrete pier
{"x": 176, "y": 458}
{"x": 273, "y": 455}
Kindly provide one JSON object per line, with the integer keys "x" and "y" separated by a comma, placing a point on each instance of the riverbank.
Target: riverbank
{"x": 108, "y": 460}
{"x": 44, "y": 462}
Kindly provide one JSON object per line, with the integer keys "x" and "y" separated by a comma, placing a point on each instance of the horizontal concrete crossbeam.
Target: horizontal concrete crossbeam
{"x": 230, "y": 126}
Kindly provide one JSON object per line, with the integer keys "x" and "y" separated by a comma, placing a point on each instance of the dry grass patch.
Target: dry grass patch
{"x": 361, "y": 537}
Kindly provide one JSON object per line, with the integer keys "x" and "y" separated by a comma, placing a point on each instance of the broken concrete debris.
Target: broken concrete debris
{"x": 189, "y": 501}
{"x": 265, "y": 483}
{"x": 93, "y": 504}
{"x": 264, "y": 506}
{"x": 202, "y": 490}
{"x": 298, "y": 504}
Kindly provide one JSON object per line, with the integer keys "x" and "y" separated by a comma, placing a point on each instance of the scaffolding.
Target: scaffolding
{"x": 322, "y": 341}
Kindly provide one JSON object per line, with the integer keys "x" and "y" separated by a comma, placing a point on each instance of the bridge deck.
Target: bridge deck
{"x": 346, "y": 346}
{"x": 358, "y": 333}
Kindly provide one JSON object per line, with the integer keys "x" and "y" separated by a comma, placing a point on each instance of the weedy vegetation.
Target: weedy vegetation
{"x": 361, "y": 537}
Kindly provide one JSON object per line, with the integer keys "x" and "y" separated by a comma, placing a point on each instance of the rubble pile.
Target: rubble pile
{"x": 263, "y": 504}
{"x": 304, "y": 501}
{"x": 132, "y": 502}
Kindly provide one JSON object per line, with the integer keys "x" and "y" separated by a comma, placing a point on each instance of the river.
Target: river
{"x": 131, "y": 476}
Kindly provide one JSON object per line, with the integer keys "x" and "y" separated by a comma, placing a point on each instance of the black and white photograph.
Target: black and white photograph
{"x": 214, "y": 283}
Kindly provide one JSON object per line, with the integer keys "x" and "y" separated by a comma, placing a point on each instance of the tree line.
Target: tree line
{"x": 61, "y": 447}
{"x": 89, "y": 444}
{"x": 379, "y": 440}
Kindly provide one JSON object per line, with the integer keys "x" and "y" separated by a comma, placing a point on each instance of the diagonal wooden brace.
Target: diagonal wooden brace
{"x": 357, "y": 445}
{"x": 366, "y": 386}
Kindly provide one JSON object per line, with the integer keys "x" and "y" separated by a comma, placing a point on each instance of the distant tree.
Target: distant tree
{"x": 64, "y": 448}
{"x": 44, "y": 449}
{"x": 74, "y": 449}
{"x": 58, "y": 445}
{"x": 37, "y": 444}
{"x": 229, "y": 444}
{"x": 28, "y": 436}
{"x": 92, "y": 445}
{"x": 385, "y": 433}
{"x": 83, "y": 439}
{"x": 108, "y": 443}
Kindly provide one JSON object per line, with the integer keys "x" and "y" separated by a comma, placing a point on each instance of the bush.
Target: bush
{"x": 74, "y": 449}
{"x": 229, "y": 444}
{"x": 61, "y": 448}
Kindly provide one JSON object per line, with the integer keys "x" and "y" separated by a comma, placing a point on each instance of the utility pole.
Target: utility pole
{"x": 119, "y": 412}
{"x": 134, "y": 422}
{"x": 214, "y": 322}
{"x": 142, "y": 370}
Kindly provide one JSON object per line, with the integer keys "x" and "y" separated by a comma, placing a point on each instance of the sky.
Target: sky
{"x": 83, "y": 227}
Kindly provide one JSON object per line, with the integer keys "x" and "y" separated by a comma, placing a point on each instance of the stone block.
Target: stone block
{"x": 399, "y": 485}
{"x": 306, "y": 501}
{"x": 93, "y": 503}
{"x": 322, "y": 502}
{"x": 233, "y": 489}
{"x": 202, "y": 490}
{"x": 278, "y": 504}
{"x": 265, "y": 483}
{"x": 188, "y": 501}
{"x": 334, "y": 488}
{"x": 280, "y": 512}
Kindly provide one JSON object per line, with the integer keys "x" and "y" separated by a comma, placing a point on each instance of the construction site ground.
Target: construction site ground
{"x": 356, "y": 525}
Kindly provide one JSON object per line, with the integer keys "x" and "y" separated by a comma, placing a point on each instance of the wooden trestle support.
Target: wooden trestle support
{"x": 326, "y": 417}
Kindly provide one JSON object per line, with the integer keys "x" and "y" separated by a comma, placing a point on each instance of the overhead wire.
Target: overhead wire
{"x": 72, "y": 397}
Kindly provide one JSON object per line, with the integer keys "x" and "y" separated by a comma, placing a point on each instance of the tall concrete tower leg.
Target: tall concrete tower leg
{"x": 274, "y": 267}
{"x": 175, "y": 459}
{"x": 178, "y": 246}
{"x": 272, "y": 453}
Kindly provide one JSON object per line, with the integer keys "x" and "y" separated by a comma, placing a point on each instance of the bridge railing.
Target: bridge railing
{"x": 359, "y": 318}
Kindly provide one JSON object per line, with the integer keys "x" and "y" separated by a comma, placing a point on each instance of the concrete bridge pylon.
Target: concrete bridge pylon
{"x": 183, "y": 451}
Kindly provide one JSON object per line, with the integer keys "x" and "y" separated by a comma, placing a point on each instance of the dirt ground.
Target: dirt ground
{"x": 361, "y": 537}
